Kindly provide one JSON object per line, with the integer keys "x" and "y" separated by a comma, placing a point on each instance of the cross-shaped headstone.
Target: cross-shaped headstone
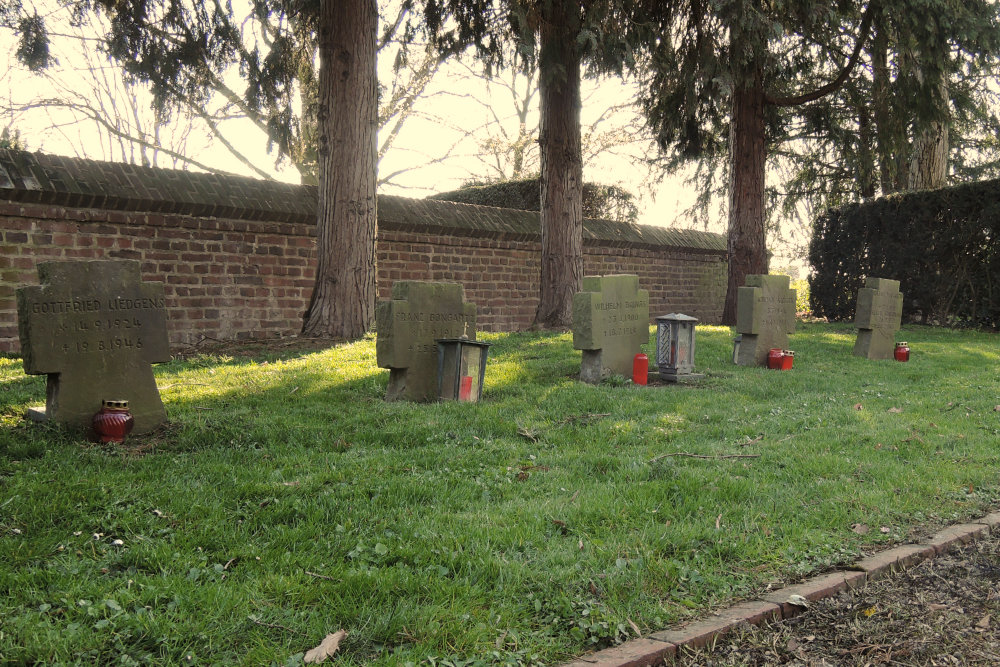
{"x": 94, "y": 328}
{"x": 419, "y": 313}
{"x": 610, "y": 324}
{"x": 878, "y": 315}
{"x": 765, "y": 315}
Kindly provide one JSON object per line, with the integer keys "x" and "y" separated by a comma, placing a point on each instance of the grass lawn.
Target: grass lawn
{"x": 286, "y": 500}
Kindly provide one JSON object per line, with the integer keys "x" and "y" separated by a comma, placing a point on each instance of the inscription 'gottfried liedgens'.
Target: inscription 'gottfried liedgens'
{"x": 94, "y": 305}
{"x": 94, "y": 327}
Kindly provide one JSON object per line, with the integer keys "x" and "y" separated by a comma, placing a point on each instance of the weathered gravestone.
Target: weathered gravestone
{"x": 94, "y": 328}
{"x": 878, "y": 315}
{"x": 765, "y": 315}
{"x": 407, "y": 327}
{"x": 610, "y": 324}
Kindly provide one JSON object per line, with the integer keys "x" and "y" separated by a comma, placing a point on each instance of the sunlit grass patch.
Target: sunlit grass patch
{"x": 286, "y": 499}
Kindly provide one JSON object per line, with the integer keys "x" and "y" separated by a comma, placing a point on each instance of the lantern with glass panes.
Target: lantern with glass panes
{"x": 461, "y": 369}
{"x": 675, "y": 347}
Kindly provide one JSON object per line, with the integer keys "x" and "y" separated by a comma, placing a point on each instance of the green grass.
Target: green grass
{"x": 287, "y": 500}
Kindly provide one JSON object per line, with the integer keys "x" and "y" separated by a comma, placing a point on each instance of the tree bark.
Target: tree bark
{"x": 747, "y": 162}
{"x": 561, "y": 167}
{"x": 343, "y": 299}
{"x": 929, "y": 157}
{"x": 890, "y": 139}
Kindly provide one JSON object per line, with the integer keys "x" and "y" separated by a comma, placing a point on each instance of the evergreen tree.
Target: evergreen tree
{"x": 182, "y": 48}
{"x": 731, "y": 66}
{"x": 559, "y": 35}
{"x": 742, "y": 77}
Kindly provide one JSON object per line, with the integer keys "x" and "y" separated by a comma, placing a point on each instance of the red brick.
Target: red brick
{"x": 991, "y": 520}
{"x": 883, "y": 563}
{"x": 703, "y": 632}
{"x": 952, "y": 536}
{"x": 635, "y": 653}
{"x": 817, "y": 588}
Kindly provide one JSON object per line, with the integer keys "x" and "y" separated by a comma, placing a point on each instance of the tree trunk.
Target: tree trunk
{"x": 867, "y": 186}
{"x": 747, "y": 161}
{"x": 890, "y": 136}
{"x": 929, "y": 158}
{"x": 343, "y": 299}
{"x": 561, "y": 167}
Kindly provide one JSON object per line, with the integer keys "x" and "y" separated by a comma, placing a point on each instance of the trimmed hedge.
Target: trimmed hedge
{"x": 600, "y": 202}
{"x": 942, "y": 245}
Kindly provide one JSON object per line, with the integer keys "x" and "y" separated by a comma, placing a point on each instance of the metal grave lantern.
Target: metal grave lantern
{"x": 675, "y": 347}
{"x": 461, "y": 369}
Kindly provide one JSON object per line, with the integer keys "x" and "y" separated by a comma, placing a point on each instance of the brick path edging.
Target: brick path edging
{"x": 664, "y": 646}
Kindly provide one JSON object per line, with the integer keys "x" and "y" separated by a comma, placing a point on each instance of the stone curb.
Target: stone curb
{"x": 661, "y": 647}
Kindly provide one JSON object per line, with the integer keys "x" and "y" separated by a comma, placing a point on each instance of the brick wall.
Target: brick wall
{"x": 237, "y": 256}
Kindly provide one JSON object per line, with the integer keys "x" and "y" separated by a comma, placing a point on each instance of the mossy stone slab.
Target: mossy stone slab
{"x": 94, "y": 328}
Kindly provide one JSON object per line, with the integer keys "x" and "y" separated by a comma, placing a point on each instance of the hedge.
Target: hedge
{"x": 606, "y": 202}
{"x": 942, "y": 245}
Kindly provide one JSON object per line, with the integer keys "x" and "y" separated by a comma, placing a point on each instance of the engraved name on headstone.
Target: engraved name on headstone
{"x": 765, "y": 315}
{"x": 94, "y": 327}
{"x": 407, "y": 326}
{"x": 878, "y": 316}
{"x": 610, "y": 324}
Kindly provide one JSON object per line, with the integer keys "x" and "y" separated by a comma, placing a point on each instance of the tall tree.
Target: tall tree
{"x": 182, "y": 49}
{"x": 919, "y": 111}
{"x": 343, "y": 300}
{"x": 83, "y": 87}
{"x": 731, "y": 66}
{"x": 560, "y": 35}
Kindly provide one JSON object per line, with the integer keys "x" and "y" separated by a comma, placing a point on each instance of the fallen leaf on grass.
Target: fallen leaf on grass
{"x": 934, "y": 606}
{"x": 984, "y": 622}
{"x": 996, "y": 408}
{"x": 885, "y": 530}
{"x": 860, "y": 528}
{"x": 797, "y": 600}
{"x": 635, "y": 627}
{"x": 858, "y": 406}
{"x": 326, "y": 648}
{"x": 895, "y": 411}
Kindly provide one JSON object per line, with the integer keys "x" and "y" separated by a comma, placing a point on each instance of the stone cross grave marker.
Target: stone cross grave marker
{"x": 877, "y": 316}
{"x": 407, "y": 326}
{"x": 94, "y": 327}
{"x": 610, "y": 324}
{"x": 765, "y": 315}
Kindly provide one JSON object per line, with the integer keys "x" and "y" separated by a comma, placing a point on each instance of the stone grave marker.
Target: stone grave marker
{"x": 877, "y": 316}
{"x": 94, "y": 327}
{"x": 610, "y": 324}
{"x": 419, "y": 313}
{"x": 765, "y": 315}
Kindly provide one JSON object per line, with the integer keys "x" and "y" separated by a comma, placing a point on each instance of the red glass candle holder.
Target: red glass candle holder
{"x": 114, "y": 421}
{"x": 902, "y": 351}
{"x": 787, "y": 359}
{"x": 640, "y": 369}
{"x": 774, "y": 358}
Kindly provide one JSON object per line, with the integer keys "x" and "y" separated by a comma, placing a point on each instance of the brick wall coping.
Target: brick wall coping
{"x": 81, "y": 183}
